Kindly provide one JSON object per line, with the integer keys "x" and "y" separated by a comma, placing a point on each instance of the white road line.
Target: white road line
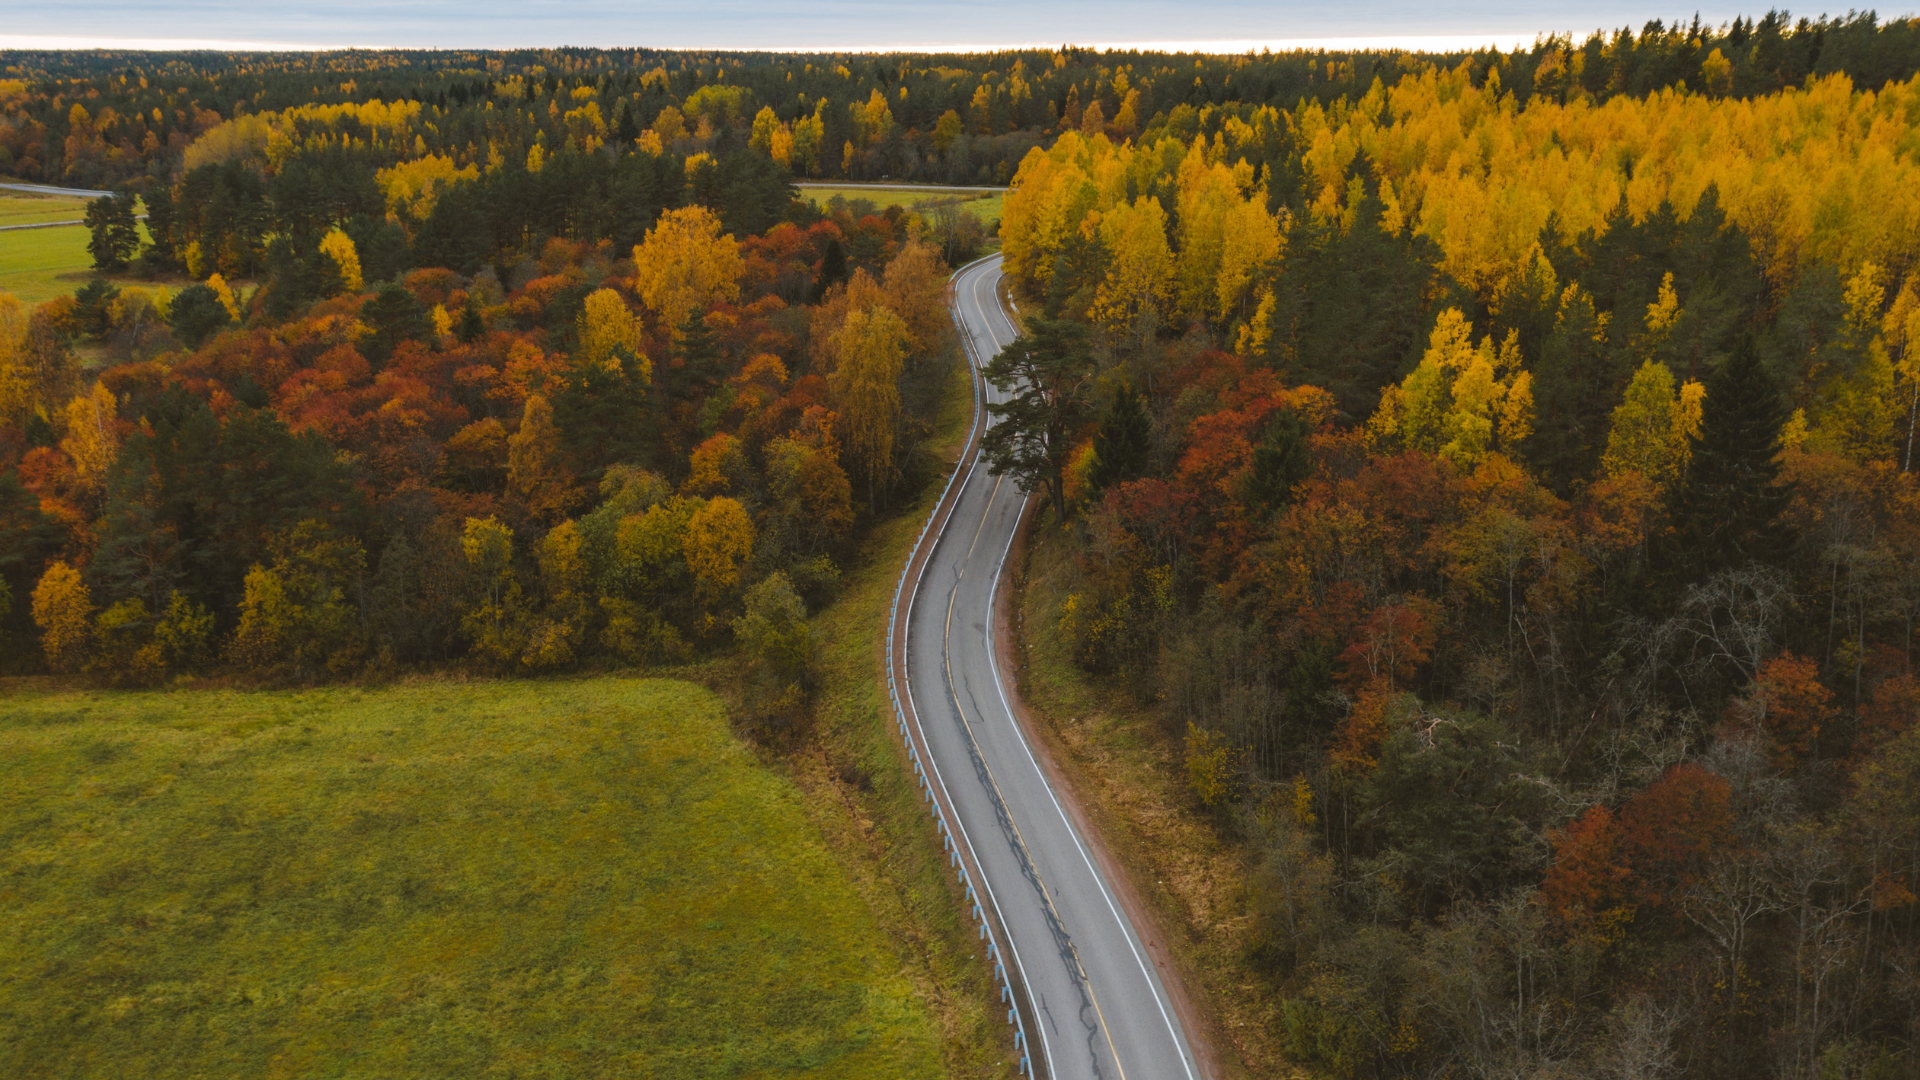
{"x": 906, "y": 670}
{"x": 1000, "y": 686}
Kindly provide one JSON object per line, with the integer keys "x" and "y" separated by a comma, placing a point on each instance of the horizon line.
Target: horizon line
{"x": 1429, "y": 43}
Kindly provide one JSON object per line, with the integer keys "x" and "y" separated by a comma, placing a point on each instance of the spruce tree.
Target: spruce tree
{"x": 1123, "y": 445}
{"x": 1281, "y": 461}
{"x": 1727, "y": 511}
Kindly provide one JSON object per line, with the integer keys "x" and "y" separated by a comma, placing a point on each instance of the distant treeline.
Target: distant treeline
{"x": 105, "y": 118}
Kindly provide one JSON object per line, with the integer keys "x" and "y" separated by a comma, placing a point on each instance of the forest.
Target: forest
{"x": 1508, "y": 509}
{"x": 1493, "y": 471}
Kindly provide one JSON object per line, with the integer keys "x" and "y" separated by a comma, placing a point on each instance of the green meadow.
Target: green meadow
{"x": 985, "y": 205}
{"x": 40, "y": 264}
{"x": 489, "y": 879}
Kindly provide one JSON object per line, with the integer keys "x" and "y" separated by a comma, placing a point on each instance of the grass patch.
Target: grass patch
{"x": 21, "y": 208}
{"x": 856, "y": 756}
{"x": 984, "y": 205}
{"x": 1127, "y": 768}
{"x": 577, "y": 878}
{"x": 40, "y": 264}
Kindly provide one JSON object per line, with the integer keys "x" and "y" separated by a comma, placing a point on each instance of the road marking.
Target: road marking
{"x": 1046, "y": 894}
{"x": 1152, "y": 988}
{"x": 906, "y": 676}
{"x": 999, "y": 685}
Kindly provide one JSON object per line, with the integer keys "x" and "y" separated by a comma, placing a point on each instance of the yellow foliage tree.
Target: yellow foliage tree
{"x": 17, "y": 391}
{"x": 607, "y": 325}
{"x": 220, "y": 289}
{"x": 809, "y": 137}
{"x": 63, "y": 609}
{"x": 866, "y": 389}
{"x": 534, "y": 472}
{"x": 915, "y": 283}
{"x": 92, "y": 441}
{"x": 1462, "y": 402}
{"x": 719, "y": 541}
{"x": 338, "y": 246}
{"x": 1653, "y": 427}
{"x": 685, "y": 265}
{"x": 1127, "y": 302}
{"x": 268, "y": 619}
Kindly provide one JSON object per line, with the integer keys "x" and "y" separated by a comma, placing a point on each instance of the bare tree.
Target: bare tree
{"x": 1733, "y": 616}
{"x": 1639, "y": 1040}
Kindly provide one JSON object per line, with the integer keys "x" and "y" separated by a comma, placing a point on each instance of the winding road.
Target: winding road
{"x": 1093, "y": 1006}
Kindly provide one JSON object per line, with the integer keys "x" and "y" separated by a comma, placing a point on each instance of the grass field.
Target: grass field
{"x": 984, "y": 205}
{"x": 20, "y": 208}
{"x": 40, "y": 264}
{"x": 554, "y": 879}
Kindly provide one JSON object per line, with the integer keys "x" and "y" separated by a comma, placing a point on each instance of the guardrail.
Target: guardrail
{"x": 950, "y": 842}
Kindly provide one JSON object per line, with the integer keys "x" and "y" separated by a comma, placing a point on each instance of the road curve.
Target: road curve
{"x": 1093, "y": 1006}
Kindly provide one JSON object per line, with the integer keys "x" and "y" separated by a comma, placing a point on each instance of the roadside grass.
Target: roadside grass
{"x": 1127, "y": 767}
{"x": 566, "y": 878}
{"x": 40, "y": 264}
{"x": 855, "y": 759}
{"x": 986, "y": 206}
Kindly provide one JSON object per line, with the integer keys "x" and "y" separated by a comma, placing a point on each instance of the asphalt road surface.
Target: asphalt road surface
{"x": 1095, "y": 1006}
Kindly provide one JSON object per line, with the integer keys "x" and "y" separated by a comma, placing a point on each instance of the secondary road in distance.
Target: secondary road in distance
{"x": 1095, "y": 1008}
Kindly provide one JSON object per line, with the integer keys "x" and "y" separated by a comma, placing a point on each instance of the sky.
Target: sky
{"x": 822, "y": 25}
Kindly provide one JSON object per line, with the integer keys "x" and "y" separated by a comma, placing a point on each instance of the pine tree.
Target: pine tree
{"x": 1728, "y": 509}
{"x": 833, "y": 269}
{"x": 1280, "y": 462}
{"x": 115, "y": 235}
{"x": 1123, "y": 445}
{"x": 1046, "y": 372}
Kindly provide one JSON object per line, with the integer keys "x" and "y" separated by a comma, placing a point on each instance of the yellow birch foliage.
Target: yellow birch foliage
{"x": 62, "y": 609}
{"x": 915, "y": 285}
{"x": 1140, "y": 271}
{"x": 1225, "y": 234}
{"x": 534, "y": 472}
{"x": 1815, "y": 174}
{"x": 1462, "y": 402}
{"x": 866, "y": 390}
{"x": 828, "y": 318}
{"x": 338, "y": 246}
{"x": 685, "y": 265}
{"x": 606, "y": 324}
{"x": 718, "y": 543}
{"x": 413, "y": 187}
{"x": 16, "y": 369}
{"x": 91, "y": 440}
{"x": 1653, "y": 428}
{"x": 219, "y": 286}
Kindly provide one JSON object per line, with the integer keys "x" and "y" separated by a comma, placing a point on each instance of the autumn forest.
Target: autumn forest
{"x": 1492, "y": 476}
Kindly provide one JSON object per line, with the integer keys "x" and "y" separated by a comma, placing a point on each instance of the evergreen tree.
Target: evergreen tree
{"x": 115, "y": 235}
{"x": 697, "y": 349}
{"x": 1727, "y": 511}
{"x": 159, "y": 255}
{"x": 394, "y": 316}
{"x": 1047, "y": 371}
{"x": 195, "y": 314}
{"x": 472, "y": 326}
{"x": 833, "y": 269}
{"x": 1280, "y": 461}
{"x": 1123, "y": 445}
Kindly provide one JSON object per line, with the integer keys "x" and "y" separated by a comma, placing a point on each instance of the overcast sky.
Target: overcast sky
{"x": 813, "y": 24}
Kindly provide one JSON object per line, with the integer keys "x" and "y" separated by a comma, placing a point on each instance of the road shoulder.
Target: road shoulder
{"x": 1107, "y": 824}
